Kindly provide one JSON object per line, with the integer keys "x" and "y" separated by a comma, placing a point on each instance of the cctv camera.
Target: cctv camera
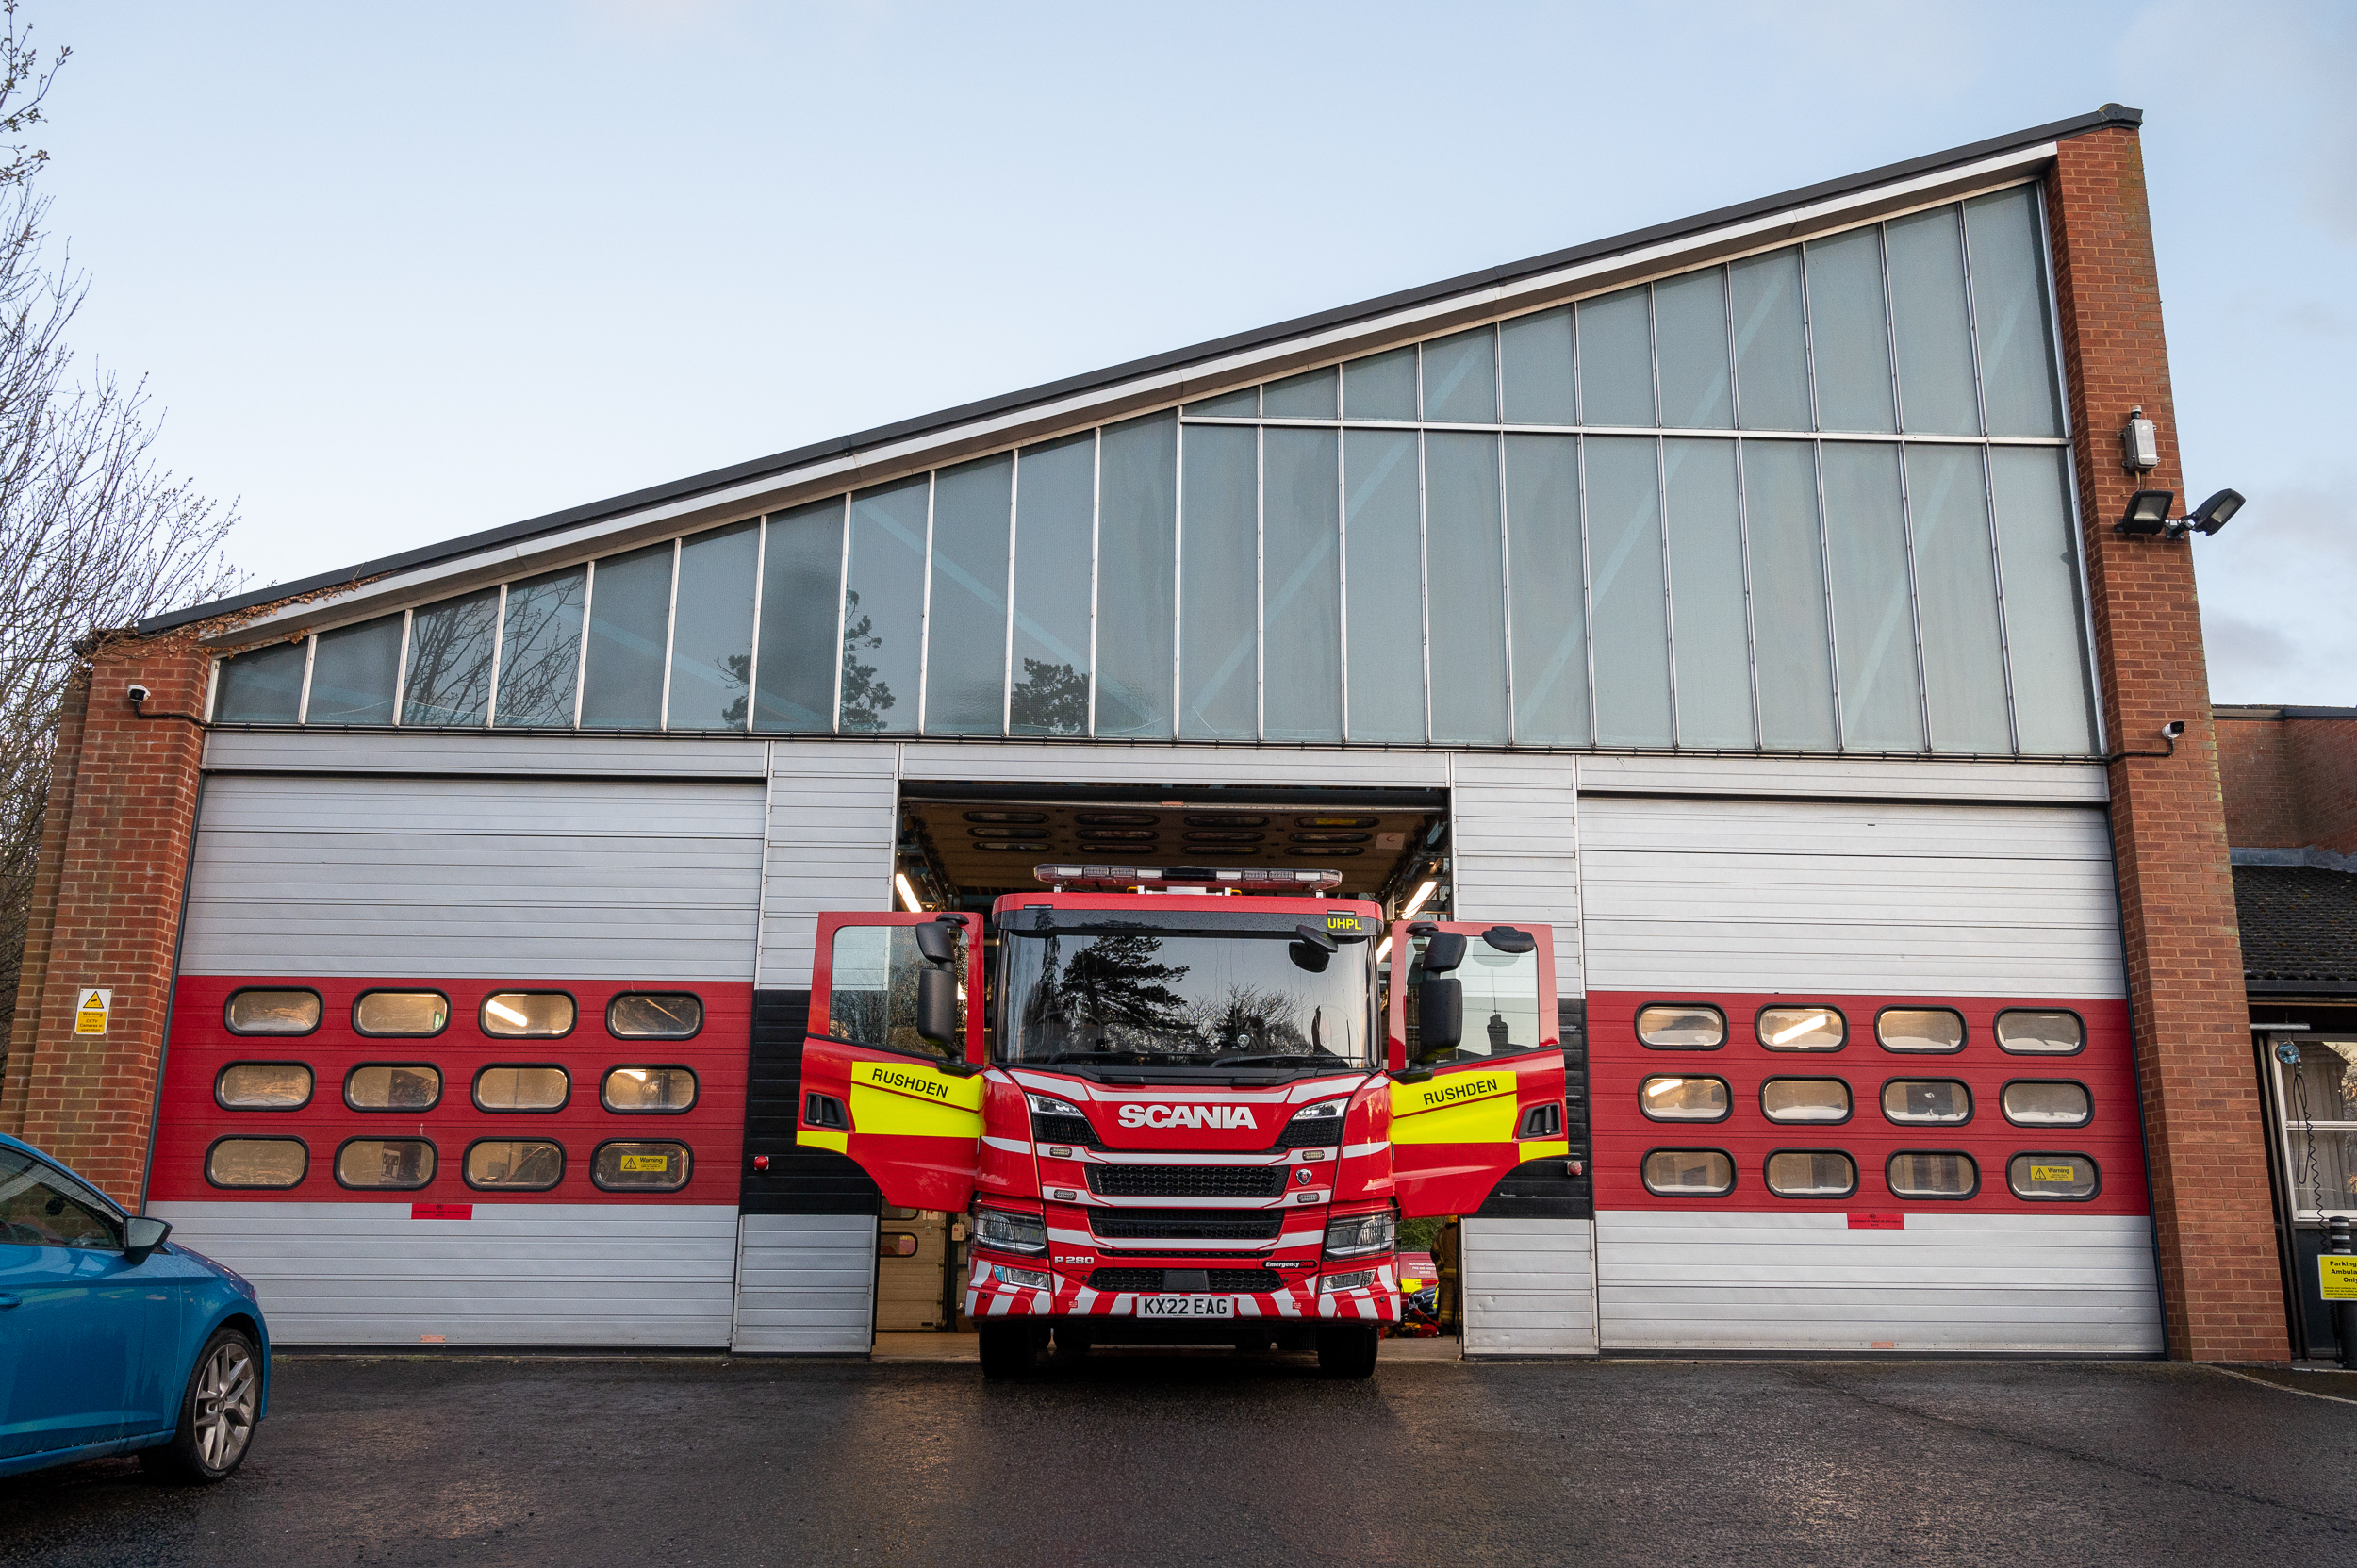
{"x": 137, "y": 693}
{"x": 2171, "y": 730}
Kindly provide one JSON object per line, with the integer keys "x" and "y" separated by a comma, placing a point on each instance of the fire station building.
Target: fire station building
{"x": 1740, "y": 597}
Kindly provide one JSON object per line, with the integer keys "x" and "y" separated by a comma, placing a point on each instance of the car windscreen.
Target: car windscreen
{"x": 1106, "y": 995}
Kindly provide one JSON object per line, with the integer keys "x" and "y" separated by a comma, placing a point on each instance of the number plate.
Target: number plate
{"x": 1186, "y": 1306}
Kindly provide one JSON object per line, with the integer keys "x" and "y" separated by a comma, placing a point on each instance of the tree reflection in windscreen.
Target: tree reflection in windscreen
{"x": 1141, "y": 997}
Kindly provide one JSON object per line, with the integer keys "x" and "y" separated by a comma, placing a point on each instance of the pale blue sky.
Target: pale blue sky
{"x": 401, "y": 272}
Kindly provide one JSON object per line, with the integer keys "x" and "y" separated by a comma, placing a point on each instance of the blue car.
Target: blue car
{"x": 112, "y": 1340}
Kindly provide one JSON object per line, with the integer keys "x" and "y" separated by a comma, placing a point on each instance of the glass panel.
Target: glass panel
{"x": 2328, "y": 1182}
{"x": 1632, "y": 630}
{"x": 1501, "y": 993}
{"x": 1467, "y": 582}
{"x": 630, "y": 609}
{"x": 354, "y": 673}
{"x": 2322, "y": 1084}
{"x": 801, "y": 581}
{"x": 1930, "y": 325}
{"x": 640, "y": 1167}
{"x": 415, "y": 1086}
{"x": 263, "y": 1086}
{"x": 1535, "y": 354}
{"x": 2029, "y": 1104}
{"x": 965, "y": 633}
{"x": 1543, "y": 574}
{"x": 1707, "y": 610}
{"x": 1136, "y": 559}
{"x": 522, "y": 1088}
{"x": 1677, "y": 1026}
{"x": 1689, "y": 1173}
{"x": 655, "y": 1016}
{"x": 2027, "y": 1033}
{"x": 1384, "y": 537}
{"x": 41, "y": 1207}
{"x": 1461, "y": 383}
{"x": 871, "y": 998}
{"x": 1811, "y": 1173}
{"x": 263, "y": 687}
{"x": 1923, "y": 1028}
{"x": 401, "y": 1013}
{"x": 896, "y": 1244}
{"x": 1849, "y": 335}
{"x": 1913, "y": 1174}
{"x": 1302, "y": 397}
{"x": 1616, "y": 359}
{"x": 1242, "y": 404}
{"x": 1054, "y": 536}
{"x": 2009, "y": 313}
{"x": 256, "y": 1163}
{"x": 1912, "y": 1102}
{"x": 1381, "y": 386}
{"x": 1875, "y": 629}
{"x": 1301, "y": 575}
{"x": 2045, "y": 634}
{"x": 1800, "y": 1029}
{"x": 1685, "y": 1099}
{"x": 450, "y": 661}
{"x": 1805, "y": 1099}
{"x": 539, "y": 1015}
{"x": 1689, "y": 324}
{"x": 1771, "y": 341}
{"x": 273, "y": 1012}
{"x": 1219, "y": 680}
{"x": 883, "y": 607}
{"x": 540, "y": 649}
{"x": 521, "y": 1164}
{"x": 1791, "y": 640}
{"x": 649, "y": 1089}
{"x": 396, "y": 1164}
{"x": 2066, "y": 1176}
{"x": 1955, "y": 585}
{"x": 712, "y": 646}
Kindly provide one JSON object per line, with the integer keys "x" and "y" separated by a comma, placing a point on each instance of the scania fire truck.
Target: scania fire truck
{"x": 1180, "y": 1104}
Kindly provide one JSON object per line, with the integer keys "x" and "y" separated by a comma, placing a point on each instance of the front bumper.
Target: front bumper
{"x": 1376, "y": 1301}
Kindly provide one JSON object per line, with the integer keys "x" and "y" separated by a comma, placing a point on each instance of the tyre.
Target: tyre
{"x": 1347, "y": 1349}
{"x": 1007, "y": 1350}
{"x": 217, "y": 1413}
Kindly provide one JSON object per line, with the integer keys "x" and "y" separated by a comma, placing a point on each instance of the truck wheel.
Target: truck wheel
{"x": 1007, "y": 1350}
{"x": 217, "y": 1414}
{"x": 1346, "y": 1350}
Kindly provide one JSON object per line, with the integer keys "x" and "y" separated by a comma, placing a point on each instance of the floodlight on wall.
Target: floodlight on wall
{"x": 2215, "y": 513}
{"x": 2148, "y": 513}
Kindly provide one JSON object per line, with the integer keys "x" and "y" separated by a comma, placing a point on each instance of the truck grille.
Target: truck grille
{"x": 1186, "y": 1181}
{"x": 1204, "y": 1225}
{"x": 1311, "y": 1132}
{"x": 1224, "y": 1281}
{"x": 1064, "y": 1130}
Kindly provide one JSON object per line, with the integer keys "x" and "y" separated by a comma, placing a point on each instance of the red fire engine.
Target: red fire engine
{"x": 1178, "y": 1116}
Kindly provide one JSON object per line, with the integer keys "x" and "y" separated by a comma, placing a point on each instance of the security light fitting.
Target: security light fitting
{"x": 2148, "y": 515}
{"x": 2171, "y": 730}
{"x": 135, "y": 694}
{"x": 2215, "y": 513}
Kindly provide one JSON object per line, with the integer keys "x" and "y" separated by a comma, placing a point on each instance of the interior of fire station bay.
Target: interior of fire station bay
{"x": 1753, "y": 634}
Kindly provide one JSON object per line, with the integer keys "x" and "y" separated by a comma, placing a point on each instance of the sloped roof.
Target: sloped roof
{"x": 836, "y": 460}
{"x": 2299, "y": 929}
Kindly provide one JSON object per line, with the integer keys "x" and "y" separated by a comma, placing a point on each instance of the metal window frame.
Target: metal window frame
{"x": 842, "y": 614}
{"x": 760, "y": 582}
{"x": 401, "y": 675}
{"x": 1178, "y": 583}
{"x": 1907, "y": 501}
{"x": 303, "y": 698}
{"x": 499, "y": 640}
{"x": 581, "y": 668}
{"x": 925, "y": 605}
{"x": 1097, "y": 558}
{"x": 1015, "y": 524}
{"x": 671, "y": 633}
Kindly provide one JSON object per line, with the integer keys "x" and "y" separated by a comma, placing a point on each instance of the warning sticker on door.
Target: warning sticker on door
{"x": 656, "y": 1162}
{"x": 2336, "y": 1278}
{"x": 89, "y": 1011}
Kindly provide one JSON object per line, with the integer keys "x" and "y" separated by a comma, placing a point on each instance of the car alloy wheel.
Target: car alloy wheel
{"x": 226, "y": 1393}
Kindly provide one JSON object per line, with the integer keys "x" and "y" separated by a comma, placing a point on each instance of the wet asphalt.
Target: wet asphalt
{"x": 1208, "y": 1458}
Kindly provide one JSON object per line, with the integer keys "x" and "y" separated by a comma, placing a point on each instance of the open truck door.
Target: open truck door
{"x": 892, "y": 1064}
{"x": 1476, "y": 1060}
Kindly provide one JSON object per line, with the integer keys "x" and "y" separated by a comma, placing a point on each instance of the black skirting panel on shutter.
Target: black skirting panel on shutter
{"x": 798, "y": 1181}
{"x": 1546, "y": 1189}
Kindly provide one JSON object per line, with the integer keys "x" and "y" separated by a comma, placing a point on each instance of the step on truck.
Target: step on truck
{"x": 1183, "y": 1105}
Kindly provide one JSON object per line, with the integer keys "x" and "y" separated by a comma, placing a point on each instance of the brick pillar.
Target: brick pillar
{"x": 106, "y": 914}
{"x": 2211, "y": 1205}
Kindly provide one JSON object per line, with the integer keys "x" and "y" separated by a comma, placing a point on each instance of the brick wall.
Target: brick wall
{"x": 2290, "y": 777}
{"x": 2221, "y": 1287}
{"x": 106, "y": 914}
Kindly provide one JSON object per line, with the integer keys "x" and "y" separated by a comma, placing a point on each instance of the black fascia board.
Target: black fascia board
{"x": 681, "y": 490}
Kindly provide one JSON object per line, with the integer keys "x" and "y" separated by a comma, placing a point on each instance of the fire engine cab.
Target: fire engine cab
{"x": 1183, "y": 1105}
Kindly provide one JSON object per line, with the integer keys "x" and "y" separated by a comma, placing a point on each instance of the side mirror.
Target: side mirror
{"x": 1440, "y": 1012}
{"x": 1444, "y": 950}
{"x": 937, "y": 1006}
{"x": 142, "y": 1236}
{"x": 1506, "y": 939}
{"x": 937, "y": 941}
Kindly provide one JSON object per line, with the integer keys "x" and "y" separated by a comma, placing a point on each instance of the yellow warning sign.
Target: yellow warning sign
{"x": 90, "y": 1012}
{"x": 2336, "y": 1278}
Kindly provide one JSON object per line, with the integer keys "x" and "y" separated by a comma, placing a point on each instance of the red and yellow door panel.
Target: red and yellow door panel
{"x": 909, "y": 1114}
{"x": 1464, "y": 1117}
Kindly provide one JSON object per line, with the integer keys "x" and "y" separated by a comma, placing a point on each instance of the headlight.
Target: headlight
{"x": 1048, "y": 1105}
{"x": 1359, "y": 1233}
{"x": 1323, "y": 1108}
{"x": 1332, "y": 1282}
{"x": 1025, "y": 1279}
{"x": 1010, "y": 1231}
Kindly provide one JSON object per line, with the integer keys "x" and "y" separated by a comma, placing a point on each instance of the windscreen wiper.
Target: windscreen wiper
{"x": 1279, "y": 1056}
